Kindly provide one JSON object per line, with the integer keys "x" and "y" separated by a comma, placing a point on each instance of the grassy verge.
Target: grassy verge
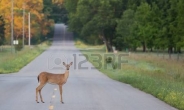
{"x": 10, "y": 63}
{"x": 163, "y": 79}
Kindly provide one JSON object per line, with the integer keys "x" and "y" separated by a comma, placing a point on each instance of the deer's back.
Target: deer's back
{"x": 46, "y": 77}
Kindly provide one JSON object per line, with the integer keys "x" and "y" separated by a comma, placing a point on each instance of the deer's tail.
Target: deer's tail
{"x": 38, "y": 78}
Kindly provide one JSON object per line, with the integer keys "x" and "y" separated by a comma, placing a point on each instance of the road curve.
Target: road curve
{"x": 86, "y": 89}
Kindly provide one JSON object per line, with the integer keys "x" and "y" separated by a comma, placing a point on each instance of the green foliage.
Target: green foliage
{"x": 142, "y": 24}
{"x": 55, "y": 10}
{"x": 108, "y": 60}
{"x": 19, "y": 46}
{"x": 125, "y": 31}
{"x": 92, "y": 18}
{"x": 151, "y": 24}
{"x": 2, "y": 30}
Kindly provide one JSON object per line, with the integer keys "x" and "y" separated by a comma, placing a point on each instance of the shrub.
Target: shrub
{"x": 19, "y": 46}
{"x": 114, "y": 65}
{"x": 108, "y": 60}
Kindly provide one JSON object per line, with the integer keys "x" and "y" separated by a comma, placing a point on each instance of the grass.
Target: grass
{"x": 83, "y": 46}
{"x": 13, "y": 62}
{"x": 162, "y": 78}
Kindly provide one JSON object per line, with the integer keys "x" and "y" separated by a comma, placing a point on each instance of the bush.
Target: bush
{"x": 114, "y": 65}
{"x": 108, "y": 60}
{"x": 19, "y": 46}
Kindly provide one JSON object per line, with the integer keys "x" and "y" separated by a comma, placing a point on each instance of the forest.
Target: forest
{"x": 44, "y": 13}
{"x": 152, "y": 25}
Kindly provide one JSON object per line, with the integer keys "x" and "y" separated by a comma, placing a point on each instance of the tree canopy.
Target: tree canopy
{"x": 150, "y": 24}
{"x": 2, "y": 28}
{"x": 42, "y": 18}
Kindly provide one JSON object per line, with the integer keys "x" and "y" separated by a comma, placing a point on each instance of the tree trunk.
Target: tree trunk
{"x": 179, "y": 49}
{"x": 175, "y": 50}
{"x": 107, "y": 43}
{"x": 151, "y": 49}
{"x": 110, "y": 49}
{"x": 170, "y": 50}
{"x": 143, "y": 46}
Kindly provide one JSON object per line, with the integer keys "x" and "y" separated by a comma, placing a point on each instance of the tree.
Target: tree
{"x": 142, "y": 21}
{"x": 150, "y": 24}
{"x": 2, "y": 29}
{"x": 180, "y": 20}
{"x": 154, "y": 39}
{"x": 39, "y": 19}
{"x": 124, "y": 29}
{"x": 180, "y": 23}
{"x": 95, "y": 18}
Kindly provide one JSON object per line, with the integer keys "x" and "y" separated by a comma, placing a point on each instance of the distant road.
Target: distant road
{"x": 85, "y": 89}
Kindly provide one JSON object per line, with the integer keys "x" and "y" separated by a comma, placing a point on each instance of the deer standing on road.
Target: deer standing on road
{"x": 59, "y": 79}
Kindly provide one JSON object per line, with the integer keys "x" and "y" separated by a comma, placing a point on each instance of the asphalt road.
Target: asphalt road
{"x": 86, "y": 89}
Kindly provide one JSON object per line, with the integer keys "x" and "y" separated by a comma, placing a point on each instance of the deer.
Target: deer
{"x": 58, "y": 79}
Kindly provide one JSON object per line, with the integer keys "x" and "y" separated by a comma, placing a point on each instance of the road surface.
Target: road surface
{"x": 85, "y": 89}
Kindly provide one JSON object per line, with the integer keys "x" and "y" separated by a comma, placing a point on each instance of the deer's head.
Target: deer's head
{"x": 67, "y": 65}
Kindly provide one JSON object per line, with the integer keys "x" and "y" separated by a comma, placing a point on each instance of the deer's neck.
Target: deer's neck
{"x": 66, "y": 74}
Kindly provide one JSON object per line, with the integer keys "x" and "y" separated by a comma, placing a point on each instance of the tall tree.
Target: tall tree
{"x": 2, "y": 29}
{"x": 125, "y": 37}
{"x": 180, "y": 23}
{"x": 142, "y": 22}
{"x": 95, "y": 18}
{"x": 130, "y": 23}
{"x": 38, "y": 18}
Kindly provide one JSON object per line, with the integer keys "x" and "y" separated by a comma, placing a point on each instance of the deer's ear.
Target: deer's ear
{"x": 64, "y": 63}
{"x": 71, "y": 63}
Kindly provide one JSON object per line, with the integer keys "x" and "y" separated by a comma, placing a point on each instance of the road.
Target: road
{"x": 86, "y": 89}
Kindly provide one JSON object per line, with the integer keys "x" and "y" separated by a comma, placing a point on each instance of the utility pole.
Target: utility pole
{"x": 29, "y": 31}
{"x": 23, "y": 31}
{"x": 12, "y": 21}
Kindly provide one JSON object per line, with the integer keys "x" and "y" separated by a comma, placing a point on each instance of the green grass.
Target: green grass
{"x": 13, "y": 62}
{"x": 83, "y": 46}
{"x": 162, "y": 78}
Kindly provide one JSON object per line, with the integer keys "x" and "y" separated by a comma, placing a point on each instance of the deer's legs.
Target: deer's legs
{"x": 37, "y": 95}
{"x": 38, "y": 89}
{"x": 60, "y": 88}
{"x": 41, "y": 96}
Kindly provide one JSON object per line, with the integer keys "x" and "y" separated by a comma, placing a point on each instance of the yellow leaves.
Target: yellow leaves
{"x": 18, "y": 4}
{"x": 18, "y": 23}
{"x": 32, "y": 5}
{"x": 4, "y": 4}
{"x": 47, "y": 24}
{"x": 45, "y": 31}
{"x": 35, "y": 7}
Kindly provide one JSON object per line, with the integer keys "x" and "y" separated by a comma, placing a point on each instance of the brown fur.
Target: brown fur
{"x": 59, "y": 79}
